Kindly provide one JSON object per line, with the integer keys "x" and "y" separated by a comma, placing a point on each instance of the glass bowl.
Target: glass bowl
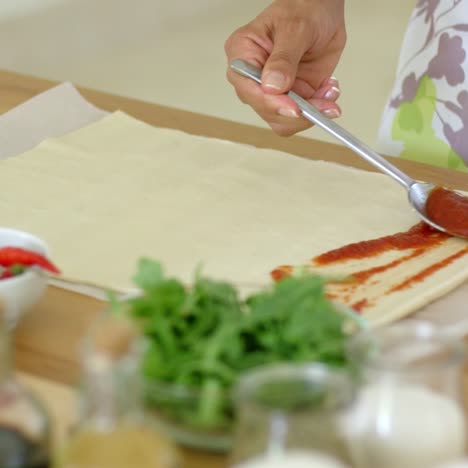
{"x": 185, "y": 414}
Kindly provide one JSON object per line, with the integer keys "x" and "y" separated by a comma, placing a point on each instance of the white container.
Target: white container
{"x": 20, "y": 293}
{"x": 410, "y": 413}
{"x": 455, "y": 464}
{"x": 409, "y": 426}
{"x": 293, "y": 459}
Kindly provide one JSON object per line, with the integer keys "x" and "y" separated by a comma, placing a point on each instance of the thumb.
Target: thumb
{"x": 279, "y": 72}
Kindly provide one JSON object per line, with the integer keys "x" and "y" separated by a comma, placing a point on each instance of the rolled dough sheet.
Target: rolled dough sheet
{"x": 119, "y": 189}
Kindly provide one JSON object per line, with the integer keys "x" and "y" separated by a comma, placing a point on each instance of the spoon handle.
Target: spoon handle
{"x": 315, "y": 116}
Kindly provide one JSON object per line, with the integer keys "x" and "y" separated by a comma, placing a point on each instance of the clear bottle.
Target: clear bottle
{"x": 290, "y": 416}
{"x": 411, "y": 411}
{"x": 24, "y": 423}
{"x": 113, "y": 430}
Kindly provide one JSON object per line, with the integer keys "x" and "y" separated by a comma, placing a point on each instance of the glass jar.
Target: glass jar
{"x": 291, "y": 415}
{"x": 113, "y": 430}
{"x": 24, "y": 423}
{"x": 410, "y": 412}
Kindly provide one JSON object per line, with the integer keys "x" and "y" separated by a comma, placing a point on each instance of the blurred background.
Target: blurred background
{"x": 171, "y": 52}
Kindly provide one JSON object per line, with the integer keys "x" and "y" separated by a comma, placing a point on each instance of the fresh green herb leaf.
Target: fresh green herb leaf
{"x": 17, "y": 269}
{"x": 203, "y": 337}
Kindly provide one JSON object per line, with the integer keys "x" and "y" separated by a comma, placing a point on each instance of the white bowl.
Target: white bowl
{"x": 20, "y": 293}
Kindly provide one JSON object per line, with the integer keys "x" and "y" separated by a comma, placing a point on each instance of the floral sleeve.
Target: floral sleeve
{"x": 426, "y": 117}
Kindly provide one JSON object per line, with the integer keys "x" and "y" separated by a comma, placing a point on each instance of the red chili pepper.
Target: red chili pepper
{"x": 16, "y": 255}
{"x": 6, "y": 274}
{"x": 13, "y": 270}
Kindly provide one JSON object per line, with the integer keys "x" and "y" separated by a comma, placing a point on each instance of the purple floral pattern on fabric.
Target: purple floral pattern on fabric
{"x": 408, "y": 91}
{"x": 427, "y": 7}
{"x": 458, "y": 139}
{"x": 447, "y": 62}
{"x": 436, "y": 51}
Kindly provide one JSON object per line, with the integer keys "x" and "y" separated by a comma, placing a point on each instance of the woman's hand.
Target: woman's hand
{"x": 298, "y": 44}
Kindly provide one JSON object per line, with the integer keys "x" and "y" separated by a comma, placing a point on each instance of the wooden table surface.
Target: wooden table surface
{"x": 48, "y": 338}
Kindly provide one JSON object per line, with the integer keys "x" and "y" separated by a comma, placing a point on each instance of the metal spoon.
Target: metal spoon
{"x": 418, "y": 192}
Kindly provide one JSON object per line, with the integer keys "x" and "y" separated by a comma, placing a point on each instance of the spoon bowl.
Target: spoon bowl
{"x": 418, "y": 192}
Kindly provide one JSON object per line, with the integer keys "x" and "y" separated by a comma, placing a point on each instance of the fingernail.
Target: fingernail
{"x": 288, "y": 112}
{"x": 275, "y": 80}
{"x": 333, "y": 93}
{"x": 331, "y": 113}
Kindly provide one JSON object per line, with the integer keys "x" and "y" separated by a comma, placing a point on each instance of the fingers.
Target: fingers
{"x": 249, "y": 44}
{"x": 289, "y": 46}
{"x": 329, "y": 89}
{"x": 288, "y": 126}
{"x": 279, "y": 54}
{"x": 280, "y": 112}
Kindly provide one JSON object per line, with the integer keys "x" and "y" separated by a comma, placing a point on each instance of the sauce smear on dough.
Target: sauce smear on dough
{"x": 420, "y": 236}
{"x": 449, "y": 210}
{"x": 418, "y": 240}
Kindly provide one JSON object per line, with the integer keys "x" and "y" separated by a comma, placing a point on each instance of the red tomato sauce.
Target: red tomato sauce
{"x": 282, "y": 272}
{"x": 362, "y": 276}
{"x": 418, "y": 240}
{"x": 449, "y": 210}
{"x": 428, "y": 271}
{"x": 419, "y": 236}
{"x": 362, "y": 304}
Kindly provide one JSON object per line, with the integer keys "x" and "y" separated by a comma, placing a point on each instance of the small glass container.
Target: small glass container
{"x": 410, "y": 412}
{"x": 25, "y": 435}
{"x": 177, "y": 410}
{"x": 114, "y": 430}
{"x": 287, "y": 413}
